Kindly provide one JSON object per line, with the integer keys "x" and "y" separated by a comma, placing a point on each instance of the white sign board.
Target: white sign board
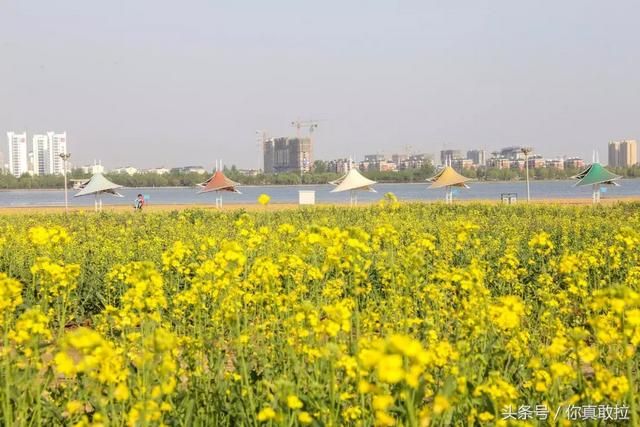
{"x": 307, "y": 197}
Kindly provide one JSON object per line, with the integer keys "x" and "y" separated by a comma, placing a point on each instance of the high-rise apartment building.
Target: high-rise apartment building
{"x": 58, "y": 143}
{"x": 478, "y": 157}
{"x": 623, "y": 154}
{"x": 41, "y": 149}
{"x": 628, "y": 154}
{"x": 613, "y": 150}
{"x": 46, "y": 150}
{"x": 447, "y": 155}
{"x": 18, "y": 160}
{"x": 287, "y": 155}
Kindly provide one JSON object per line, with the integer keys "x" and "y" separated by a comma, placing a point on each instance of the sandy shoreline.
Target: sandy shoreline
{"x": 283, "y": 206}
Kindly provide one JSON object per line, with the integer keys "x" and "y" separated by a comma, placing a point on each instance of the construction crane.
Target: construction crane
{"x": 299, "y": 124}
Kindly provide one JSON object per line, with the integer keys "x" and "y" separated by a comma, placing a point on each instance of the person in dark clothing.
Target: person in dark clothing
{"x": 139, "y": 203}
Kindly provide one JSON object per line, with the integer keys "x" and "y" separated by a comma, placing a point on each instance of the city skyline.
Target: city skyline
{"x": 602, "y": 151}
{"x": 154, "y": 83}
{"x": 296, "y": 154}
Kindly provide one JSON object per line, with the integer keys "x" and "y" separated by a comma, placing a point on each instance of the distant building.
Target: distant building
{"x": 512, "y": 153}
{"x": 189, "y": 169}
{"x": 399, "y": 158}
{"x": 42, "y": 155}
{"x": 446, "y": 155}
{"x": 57, "y": 146}
{"x": 517, "y": 164}
{"x": 340, "y": 166}
{"x": 376, "y": 162}
{"x": 460, "y": 164}
{"x": 500, "y": 163}
{"x": 628, "y": 155}
{"x": 478, "y": 157}
{"x": 287, "y": 155}
{"x": 416, "y": 161}
{"x": 536, "y": 162}
{"x": 158, "y": 171}
{"x": 249, "y": 172}
{"x": 574, "y": 163}
{"x": 18, "y": 159}
{"x": 555, "y": 164}
{"x": 613, "y": 151}
{"x": 623, "y": 154}
{"x": 373, "y": 158}
{"x": 129, "y": 170}
{"x": 96, "y": 167}
{"x": 384, "y": 166}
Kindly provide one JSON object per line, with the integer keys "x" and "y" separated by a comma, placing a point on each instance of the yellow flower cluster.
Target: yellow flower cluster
{"x": 10, "y": 296}
{"x": 42, "y": 236}
{"x": 86, "y": 351}
{"x": 54, "y": 278}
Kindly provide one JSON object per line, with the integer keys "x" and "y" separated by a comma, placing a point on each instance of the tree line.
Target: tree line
{"x": 319, "y": 175}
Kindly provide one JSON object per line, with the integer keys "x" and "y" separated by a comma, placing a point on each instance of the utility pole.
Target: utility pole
{"x": 65, "y": 157}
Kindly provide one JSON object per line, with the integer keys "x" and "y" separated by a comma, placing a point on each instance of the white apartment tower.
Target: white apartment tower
{"x": 42, "y": 161}
{"x": 58, "y": 144}
{"x": 18, "y": 164}
{"x": 46, "y": 153}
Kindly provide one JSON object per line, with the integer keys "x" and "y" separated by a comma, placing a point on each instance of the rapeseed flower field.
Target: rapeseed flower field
{"x": 407, "y": 315}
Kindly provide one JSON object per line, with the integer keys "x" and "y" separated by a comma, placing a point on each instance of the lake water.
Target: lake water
{"x": 289, "y": 194}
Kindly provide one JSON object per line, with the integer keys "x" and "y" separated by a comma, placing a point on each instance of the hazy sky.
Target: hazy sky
{"x": 150, "y": 82}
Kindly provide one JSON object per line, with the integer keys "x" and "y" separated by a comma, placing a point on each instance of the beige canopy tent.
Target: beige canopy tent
{"x": 353, "y": 181}
{"x": 448, "y": 178}
{"x": 219, "y": 183}
{"x": 98, "y": 185}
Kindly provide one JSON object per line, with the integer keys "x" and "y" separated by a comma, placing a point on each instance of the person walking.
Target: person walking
{"x": 139, "y": 203}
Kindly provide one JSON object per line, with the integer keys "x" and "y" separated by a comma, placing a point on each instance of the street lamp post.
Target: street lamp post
{"x": 65, "y": 157}
{"x": 526, "y": 151}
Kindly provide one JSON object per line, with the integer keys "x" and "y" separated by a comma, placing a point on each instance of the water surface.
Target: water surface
{"x": 289, "y": 194}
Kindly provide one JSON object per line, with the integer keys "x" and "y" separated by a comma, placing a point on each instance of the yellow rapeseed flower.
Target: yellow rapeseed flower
{"x": 266, "y": 414}
{"x": 293, "y": 402}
